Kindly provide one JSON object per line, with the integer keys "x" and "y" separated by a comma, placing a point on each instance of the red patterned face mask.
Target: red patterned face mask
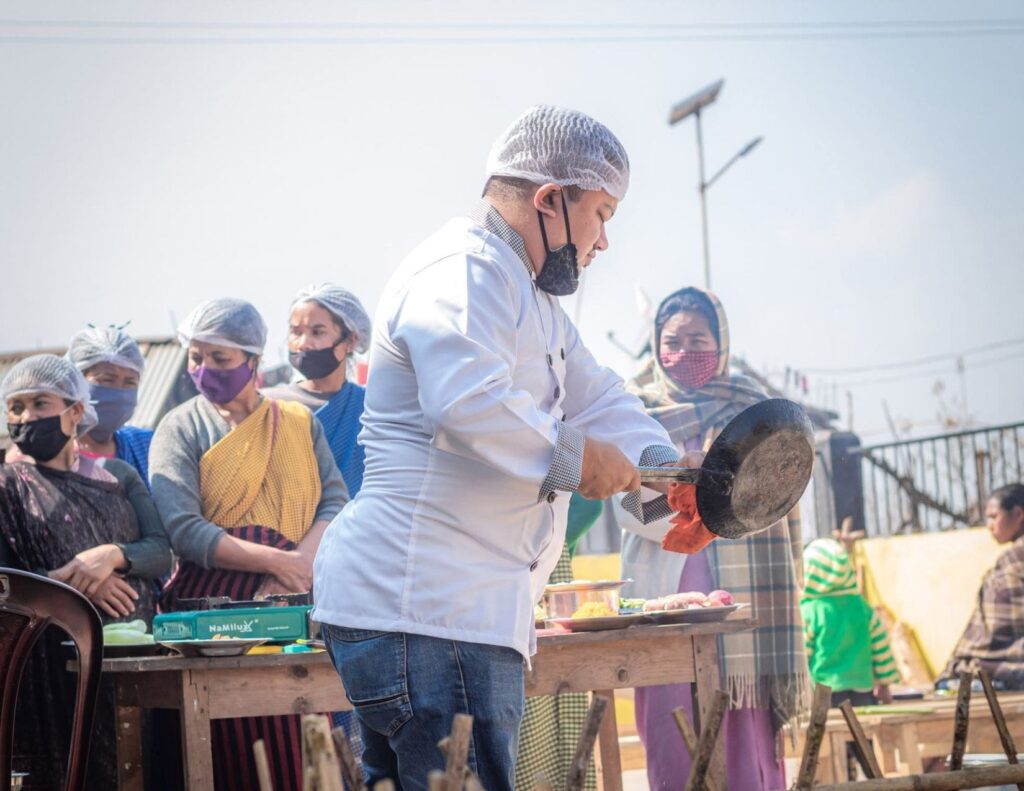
{"x": 691, "y": 370}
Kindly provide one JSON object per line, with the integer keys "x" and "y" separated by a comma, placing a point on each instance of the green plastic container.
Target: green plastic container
{"x": 277, "y": 624}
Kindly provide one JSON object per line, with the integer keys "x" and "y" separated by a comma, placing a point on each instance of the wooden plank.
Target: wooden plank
{"x": 1005, "y": 738}
{"x": 351, "y": 766}
{"x": 708, "y": 741}
{"x": 457, "y": 758}
{"x": 940, "y": 781}
{"x": 290, "y": 689}
{"x": 608, "y": 760}
{"x": 577, "y": 775}
{"x": 589, "y": 666}
{"x": 690, "y": 741}
{"x": 815, "y": 735}
{"x": 128, "y": 723}
{"x": 963, "y": 713}
{"x": 708, "y": 683}
{"x": 861, "y": 745}
{"x": 195, "y": 731}
{"x": 149, "y": 690}
{"x": 259, "y": 754}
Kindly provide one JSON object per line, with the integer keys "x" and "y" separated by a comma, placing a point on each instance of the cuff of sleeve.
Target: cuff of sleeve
{"x": 658, "y": 508}
{"x": 566, "y": 470}
{"x": 211, "y": 551}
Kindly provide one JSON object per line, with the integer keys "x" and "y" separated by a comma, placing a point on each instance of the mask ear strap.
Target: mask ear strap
{"x": 565, "y": 215}
{"x": 543, "y": 232}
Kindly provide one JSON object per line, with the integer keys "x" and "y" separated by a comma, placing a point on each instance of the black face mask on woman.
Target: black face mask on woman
{"x": 560, "y": 274}
{"x": 41, "y": 439}
{"x": 316, "y": 363}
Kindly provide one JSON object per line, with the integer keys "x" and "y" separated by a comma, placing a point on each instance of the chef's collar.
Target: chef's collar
{"x": 490, "y": 219}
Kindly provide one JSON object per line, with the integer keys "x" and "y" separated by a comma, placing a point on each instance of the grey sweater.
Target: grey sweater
{"x": 180, "y": 441}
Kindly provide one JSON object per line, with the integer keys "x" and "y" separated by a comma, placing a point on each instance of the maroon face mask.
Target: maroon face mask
{"x": 691, "y": 370}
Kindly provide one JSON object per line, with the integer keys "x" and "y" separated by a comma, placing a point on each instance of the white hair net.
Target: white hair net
{"x": 48, "y": 373}
{"x": 225, "y": 322}
{"x": 95, "y": 345}
{"x": 344, "y": 306}
{"x": 549, "y": 144}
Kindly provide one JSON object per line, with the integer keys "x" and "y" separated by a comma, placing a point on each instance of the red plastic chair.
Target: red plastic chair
{"x": 28, "y": 604}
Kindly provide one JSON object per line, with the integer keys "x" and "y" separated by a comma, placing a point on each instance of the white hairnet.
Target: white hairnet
{"x": 95, "y": 345}
{"x": 344, "y": 306}
{"x": 554, "y": 145}
{"x": 225, "y": 322}
{"x": 48, "y": 373}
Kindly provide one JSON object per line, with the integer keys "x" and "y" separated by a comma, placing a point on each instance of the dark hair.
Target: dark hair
{"x": 517, "y": 188}
{"x": 1009, "y": 496}
{"x": 691, "y": 301}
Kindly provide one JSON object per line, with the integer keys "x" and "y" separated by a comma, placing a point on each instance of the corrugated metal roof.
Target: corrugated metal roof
{"x": 164, "y": 384}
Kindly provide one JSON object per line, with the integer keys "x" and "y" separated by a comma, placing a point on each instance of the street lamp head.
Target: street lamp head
{"x": 750, "y": 146}
{"x": 695, "y": 103}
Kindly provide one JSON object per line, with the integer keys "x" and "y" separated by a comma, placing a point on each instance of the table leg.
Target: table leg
{"x": 196, "y": 751}
{"x": 705, "y": 664}
{"x": 608, "y": 761}
{"x": 840, "y": 760}
{"x": 910, "y": 753}
{"x": 130, "y": 774}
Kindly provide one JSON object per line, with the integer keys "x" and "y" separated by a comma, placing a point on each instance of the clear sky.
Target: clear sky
{"x": 156, "y": 154}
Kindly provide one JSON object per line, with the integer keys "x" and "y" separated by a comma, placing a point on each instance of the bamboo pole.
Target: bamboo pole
{"x": 259, "y": 752}
{"x": 690, "y": 740}
{"x": 697, "y": 781}
{"x": 577, "y": 776}
{"x": 944, "y": 781}
{"x": 815, "y": 735}
{"x": 458, "y": 752}
{"x": 861, "y": 745}
{"x": 1000, "y": 721}
{"x": 351, "y": 769}
{"x": 319, "y": 753}
{"x": 961, "y": 721}
{"x": 436, "y": 781}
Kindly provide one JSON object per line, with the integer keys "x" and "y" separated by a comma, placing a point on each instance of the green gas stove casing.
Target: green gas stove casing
{"x": 278, "y": 624}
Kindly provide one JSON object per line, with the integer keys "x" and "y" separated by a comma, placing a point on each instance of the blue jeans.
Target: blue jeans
{"x": 406, "y": 690}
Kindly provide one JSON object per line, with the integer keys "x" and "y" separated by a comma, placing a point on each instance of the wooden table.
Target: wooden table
{"x": 904, "y": 742}
{"x": 245, "y": 686}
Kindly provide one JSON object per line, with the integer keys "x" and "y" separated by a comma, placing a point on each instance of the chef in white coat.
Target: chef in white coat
{"x": 484, "y": 412}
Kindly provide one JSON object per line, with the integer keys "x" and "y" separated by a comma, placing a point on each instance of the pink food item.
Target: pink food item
{"x": 723, "y": 598}
{"x": 677, "y": 601}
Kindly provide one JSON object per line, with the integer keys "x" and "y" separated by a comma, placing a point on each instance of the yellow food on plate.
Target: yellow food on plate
{"x": 594, "y": 609}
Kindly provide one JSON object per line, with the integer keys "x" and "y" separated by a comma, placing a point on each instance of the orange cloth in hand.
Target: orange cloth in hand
{"x": 688, "y": 534}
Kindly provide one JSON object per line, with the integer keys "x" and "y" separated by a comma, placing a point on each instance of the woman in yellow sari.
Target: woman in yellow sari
{"x": 246, "y": 486}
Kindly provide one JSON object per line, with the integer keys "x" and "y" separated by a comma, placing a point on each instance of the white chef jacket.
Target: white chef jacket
{"x": 472, "y": 372}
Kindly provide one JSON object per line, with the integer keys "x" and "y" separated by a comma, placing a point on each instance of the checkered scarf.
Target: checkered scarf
{"x": 992, "y": 640}
{"x": 766, "y": 667}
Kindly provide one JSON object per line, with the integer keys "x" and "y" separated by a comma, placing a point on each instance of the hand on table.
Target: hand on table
{"x": 90, "y": 569}
{"x": 883, "y": 693}
{"x": 115, "y": 597}
{"x": 606, "y": 471}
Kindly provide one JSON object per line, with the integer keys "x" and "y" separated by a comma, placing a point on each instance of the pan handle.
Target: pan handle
{"x": 674, "y": 474}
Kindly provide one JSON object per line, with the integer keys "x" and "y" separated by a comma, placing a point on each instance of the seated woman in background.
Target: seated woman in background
{"x": 112, "y": 364}
{"x": 994, "y": 638}
{"x": 246, "y": 486}
{"x": 326, "y": 325}
{"x": 99, "y": 533}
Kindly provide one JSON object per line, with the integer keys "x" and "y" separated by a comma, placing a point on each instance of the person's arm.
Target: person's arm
{"x": 333, "y": 492}
{"x": 882, "y": 661}
{"x": 150, "y": 556}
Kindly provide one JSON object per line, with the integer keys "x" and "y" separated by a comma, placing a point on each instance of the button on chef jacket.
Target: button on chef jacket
{"x": 480, "y": 392}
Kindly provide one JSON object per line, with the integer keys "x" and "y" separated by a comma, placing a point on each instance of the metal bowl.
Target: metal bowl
{"x": 564, "y": 599}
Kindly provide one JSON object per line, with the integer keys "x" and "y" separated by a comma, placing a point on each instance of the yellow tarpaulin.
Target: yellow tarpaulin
{"x": 930, "y": 582}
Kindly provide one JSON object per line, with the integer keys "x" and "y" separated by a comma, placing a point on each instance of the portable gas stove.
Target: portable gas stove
{"x": 281, "y": 618}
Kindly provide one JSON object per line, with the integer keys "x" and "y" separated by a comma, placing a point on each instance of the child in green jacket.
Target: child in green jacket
{"x": 847, "y": 645}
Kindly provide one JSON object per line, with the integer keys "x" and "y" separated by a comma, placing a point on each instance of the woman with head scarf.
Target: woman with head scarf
{"x": 690, "y": 391}
{"x": 99, "y": 533}
{"x": 326, "y": 326}
{"x": 245, "y": 485}
{"x": 112, "y": 363}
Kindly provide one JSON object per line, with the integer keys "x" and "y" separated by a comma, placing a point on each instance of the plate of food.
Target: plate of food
{"x": 596, "y": 616}
{"x": 216, "y": 646}
{"x": 691, "y": 607}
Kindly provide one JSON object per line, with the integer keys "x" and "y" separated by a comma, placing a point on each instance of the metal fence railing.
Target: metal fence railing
{"x": 938, "y": 482}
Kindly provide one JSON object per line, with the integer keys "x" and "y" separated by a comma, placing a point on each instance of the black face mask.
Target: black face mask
{"x": 317, "y": 363}
{"x": 41, "y": 439}
{"x": 560, "y": 274}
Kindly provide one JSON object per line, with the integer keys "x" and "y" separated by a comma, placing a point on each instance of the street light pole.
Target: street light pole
{"x": 702, "y": 189}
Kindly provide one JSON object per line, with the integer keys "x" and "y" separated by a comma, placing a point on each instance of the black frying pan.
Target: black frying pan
{"x": 755, "y": 471}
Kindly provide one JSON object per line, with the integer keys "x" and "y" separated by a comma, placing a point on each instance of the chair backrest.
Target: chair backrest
{"x": 28, "y": 604}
